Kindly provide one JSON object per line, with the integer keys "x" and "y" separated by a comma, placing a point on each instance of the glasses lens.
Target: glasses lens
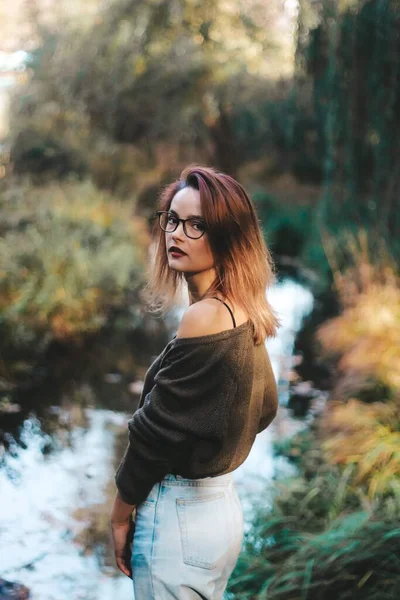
{"x": 194, "y": 229}
{"x": 168, "y": 222}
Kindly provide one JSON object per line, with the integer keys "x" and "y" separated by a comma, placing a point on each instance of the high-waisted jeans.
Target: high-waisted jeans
{"x": 187, "y": 539}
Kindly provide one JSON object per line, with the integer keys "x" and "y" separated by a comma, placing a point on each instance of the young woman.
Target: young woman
{"x": 205, "y": 397}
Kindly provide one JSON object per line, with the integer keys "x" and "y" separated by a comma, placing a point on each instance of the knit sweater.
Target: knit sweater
{"x": 204, "y": 400}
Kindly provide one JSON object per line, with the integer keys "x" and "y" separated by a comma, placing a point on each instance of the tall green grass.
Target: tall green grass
{"x": 332, "y": 532}
{"x": 323, "y": 538}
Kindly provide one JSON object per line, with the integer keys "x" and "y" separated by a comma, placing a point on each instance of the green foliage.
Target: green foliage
{"x": 320, "y": 492}
{"x": 165, "y": 84}
{"x": 40, "y": 154}
{"x": 356, "y": 558}
{"x": 353, "y": 60}
{"x": 68, "y": 254}
{"x": 291, "y": 231}
{"x": 368, "y": 438}
{"x": 287, "y": 228}
{"x": 146, "y": 73}
{"x": 322, "y": 539}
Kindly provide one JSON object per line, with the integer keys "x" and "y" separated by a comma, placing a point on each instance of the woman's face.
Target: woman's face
{"x": 198, "y": 257}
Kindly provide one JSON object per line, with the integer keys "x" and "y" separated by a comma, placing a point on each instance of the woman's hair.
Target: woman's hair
{"x": 243, "y": 263}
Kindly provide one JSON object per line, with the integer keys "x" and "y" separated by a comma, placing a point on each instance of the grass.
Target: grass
{"x": 333, "y": 530}
{"x": 323, "y": 539}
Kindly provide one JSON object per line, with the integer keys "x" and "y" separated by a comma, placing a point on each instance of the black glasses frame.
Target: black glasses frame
{"x": 159, "y": 213}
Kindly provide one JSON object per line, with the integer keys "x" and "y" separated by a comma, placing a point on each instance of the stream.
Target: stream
{"x": 56, "y": 488}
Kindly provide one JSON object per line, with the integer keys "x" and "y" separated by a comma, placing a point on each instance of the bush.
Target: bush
{"x": 368, "y": 437}
{"x": 68, "y": 254}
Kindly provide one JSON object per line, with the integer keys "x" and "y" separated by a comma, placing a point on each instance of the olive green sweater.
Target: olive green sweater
{"x": 204, "y": 400}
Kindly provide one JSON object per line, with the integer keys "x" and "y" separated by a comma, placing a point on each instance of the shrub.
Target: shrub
{"x": 68, "y": 253}
{"x": 368, "y": 437}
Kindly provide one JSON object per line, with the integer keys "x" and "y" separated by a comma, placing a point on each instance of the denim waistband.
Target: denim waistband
{"x": 218, "y": 480}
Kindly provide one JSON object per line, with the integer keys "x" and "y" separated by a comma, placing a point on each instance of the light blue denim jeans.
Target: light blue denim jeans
{"x": 187, "y": 540}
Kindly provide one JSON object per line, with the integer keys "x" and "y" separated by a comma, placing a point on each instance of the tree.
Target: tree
{"x": 170, "y": 71}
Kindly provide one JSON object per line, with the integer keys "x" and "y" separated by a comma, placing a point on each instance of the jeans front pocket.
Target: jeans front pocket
{"x": 204, "y": 528}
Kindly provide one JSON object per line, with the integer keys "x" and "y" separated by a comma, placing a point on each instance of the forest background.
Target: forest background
{"x": 301, "y": 102}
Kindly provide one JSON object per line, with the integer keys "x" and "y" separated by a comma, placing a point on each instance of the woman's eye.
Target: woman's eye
{"x": 171, "y": 219}
{"x": 198, "y": 225}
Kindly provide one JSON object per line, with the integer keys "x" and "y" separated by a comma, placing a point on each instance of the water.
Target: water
{"x": 55, "y": 505}
{"x": 292, "y": 302}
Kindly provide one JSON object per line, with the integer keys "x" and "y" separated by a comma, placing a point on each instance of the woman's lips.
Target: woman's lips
{"x": 175, "y": 251}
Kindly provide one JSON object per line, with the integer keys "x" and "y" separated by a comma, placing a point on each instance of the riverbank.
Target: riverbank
{"x": 56, "y": 533}
{"x": 331, "y": 531}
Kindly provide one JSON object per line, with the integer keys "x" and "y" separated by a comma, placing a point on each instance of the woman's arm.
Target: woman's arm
{"x": 195, "y": 380}
{"x": 121, "y": 510}
{"x": 120, "y": 529}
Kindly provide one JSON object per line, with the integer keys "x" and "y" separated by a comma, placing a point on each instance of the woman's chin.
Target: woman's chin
{"x": 175, "y": 266}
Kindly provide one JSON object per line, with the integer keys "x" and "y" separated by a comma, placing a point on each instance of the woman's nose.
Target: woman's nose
{"x": 178, "y": 233}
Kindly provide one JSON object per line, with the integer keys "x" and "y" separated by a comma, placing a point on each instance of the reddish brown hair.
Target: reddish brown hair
{"x": 243, "y": 262}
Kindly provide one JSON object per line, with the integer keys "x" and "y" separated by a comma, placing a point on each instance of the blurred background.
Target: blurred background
{"x": 101, "y": 104}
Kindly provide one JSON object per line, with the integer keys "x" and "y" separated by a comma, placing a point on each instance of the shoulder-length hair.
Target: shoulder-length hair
{"x": 243, "y": 263}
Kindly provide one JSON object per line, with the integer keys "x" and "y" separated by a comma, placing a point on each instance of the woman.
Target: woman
{"x": 205, "y": 397}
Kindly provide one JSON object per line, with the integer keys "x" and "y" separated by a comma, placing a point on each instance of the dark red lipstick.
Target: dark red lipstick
{"x": 175, "y": 251}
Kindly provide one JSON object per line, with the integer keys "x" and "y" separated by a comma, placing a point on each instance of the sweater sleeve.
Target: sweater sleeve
{"x": 187, "y": 405}
{"x": 269, "y": 407}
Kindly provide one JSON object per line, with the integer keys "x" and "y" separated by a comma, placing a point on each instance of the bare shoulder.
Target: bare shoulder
{"x": 204, "y": 318}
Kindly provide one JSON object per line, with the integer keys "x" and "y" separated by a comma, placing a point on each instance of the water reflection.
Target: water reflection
{"x": 292, "y": 301}
{"x": 56, "y": 484}
{"x": 48, "y": 501}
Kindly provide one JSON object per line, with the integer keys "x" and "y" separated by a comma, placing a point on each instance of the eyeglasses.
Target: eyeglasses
{"x": 193, "y": 228}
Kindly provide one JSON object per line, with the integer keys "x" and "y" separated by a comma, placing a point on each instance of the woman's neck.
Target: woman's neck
{"x": 199, "y": 284}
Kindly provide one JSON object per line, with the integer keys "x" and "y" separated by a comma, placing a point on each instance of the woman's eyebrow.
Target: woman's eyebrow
{"x": 189, "y": 217}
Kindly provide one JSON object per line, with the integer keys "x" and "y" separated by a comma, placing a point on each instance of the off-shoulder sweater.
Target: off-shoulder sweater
{"x": 204, "y": 400}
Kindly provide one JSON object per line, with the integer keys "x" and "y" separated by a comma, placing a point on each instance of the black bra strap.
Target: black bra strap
{"x": 233, "y": 318}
